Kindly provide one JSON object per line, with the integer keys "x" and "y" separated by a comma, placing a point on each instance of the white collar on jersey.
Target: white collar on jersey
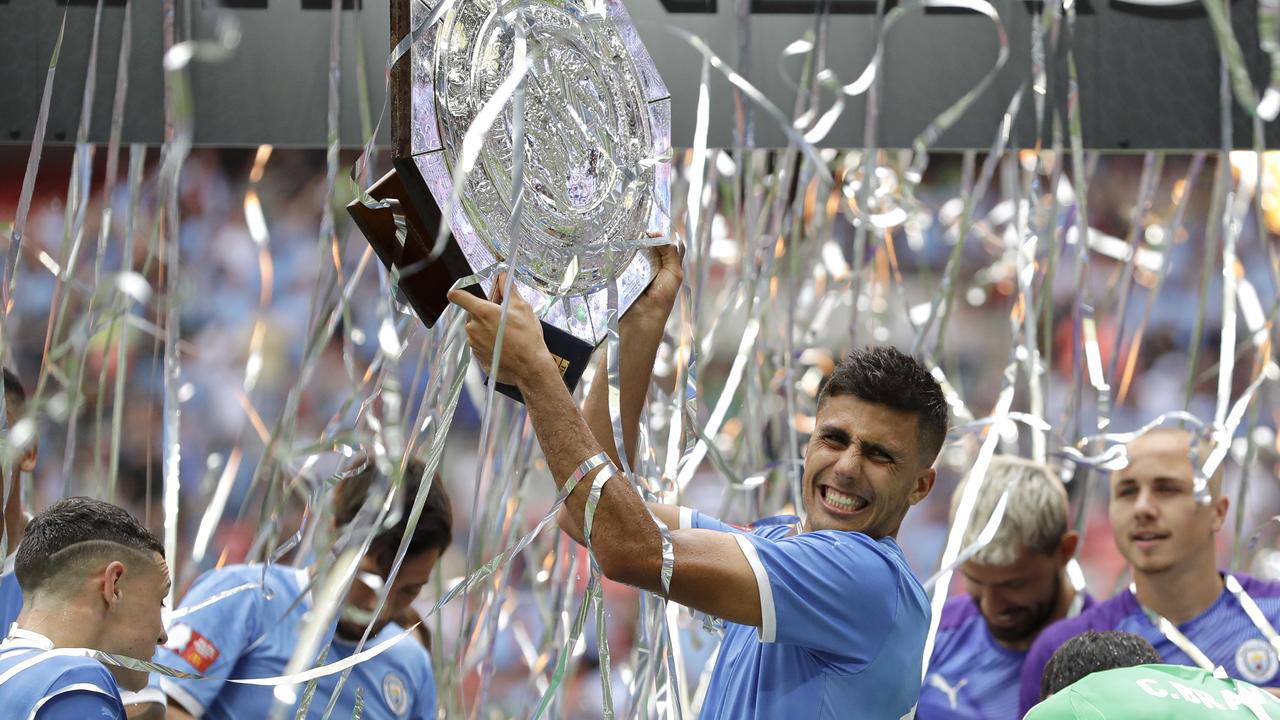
{"x": 25, "y": 640}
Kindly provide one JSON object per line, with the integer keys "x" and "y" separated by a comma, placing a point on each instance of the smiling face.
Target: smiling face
{"x": 1158, "y": 524}
{"x": 863, "y": 467}
{"x": 362, "y": 599}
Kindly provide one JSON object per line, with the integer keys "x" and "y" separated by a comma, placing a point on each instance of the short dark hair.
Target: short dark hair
{"x": 887, "y": 376}
{"x": 50, "y": 545}
{"x": 1092, "y": 652}
{"x": 435, "y": 526}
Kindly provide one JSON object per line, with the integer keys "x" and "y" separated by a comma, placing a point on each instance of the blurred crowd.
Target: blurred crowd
{"x": 221, "y": 277}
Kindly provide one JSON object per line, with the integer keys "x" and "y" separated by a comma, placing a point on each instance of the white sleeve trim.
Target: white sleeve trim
{"x": 768, "y": 630}
{"x": 686, "y": 518}
{"x": 179, "y": 695}
{"x": 143, "y": 696}
{"x": 8, "y": 562}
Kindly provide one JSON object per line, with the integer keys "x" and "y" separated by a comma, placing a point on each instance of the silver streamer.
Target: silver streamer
{"x": 863, "y": 243}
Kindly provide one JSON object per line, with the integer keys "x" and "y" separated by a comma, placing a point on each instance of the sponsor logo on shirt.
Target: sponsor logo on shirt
{"x": 199, "y": 652}
{"x": 395, "y": 693}
{"x": 952, "y": 691}
{"x": 1256, "y": 661}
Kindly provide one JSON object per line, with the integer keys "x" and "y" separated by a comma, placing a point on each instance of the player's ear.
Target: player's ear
{"x": 112, "y": 583}
{"x": 923, "y": 485}
{"x": 1067, "y": 546}
{"x": 1219, "y": 506}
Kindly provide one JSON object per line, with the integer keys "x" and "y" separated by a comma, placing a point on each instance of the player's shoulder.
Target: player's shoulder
{"x": 271, "y": 577}
{"x": 1257, "y": 587}
{"x": 1059, "y": 705}
{"x": 1105, "y": 615}
{"x": 958, "y": 612}
{"x": 862, "y": 559}
{"x": 408, "y": 655}
{"x": 83, "y": 669}
{"x": 846, "y": 543}
{"x": 850, "y": 541}
{"x": 57, "y": 670}
{"x": 774, "y": 527}
{"x": 255, "y": 572}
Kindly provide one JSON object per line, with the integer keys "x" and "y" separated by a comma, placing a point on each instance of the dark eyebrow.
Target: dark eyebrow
{"x": 872, "y": 446}
{"x": 835, "y": 433}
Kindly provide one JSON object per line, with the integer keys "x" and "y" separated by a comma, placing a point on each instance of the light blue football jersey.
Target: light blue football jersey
{"x": 10, "y": 596}
{"x": 843, "y": 625}
{"x": 37, "y": 682}
{"x": 253, "y": 634}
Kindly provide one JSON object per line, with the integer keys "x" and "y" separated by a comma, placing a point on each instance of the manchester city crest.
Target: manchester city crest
{"x": 1256, "y": 661}
{"x": 396, "y": 694}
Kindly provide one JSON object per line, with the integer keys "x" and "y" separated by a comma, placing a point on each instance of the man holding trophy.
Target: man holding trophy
{"x": 822, "y": 615}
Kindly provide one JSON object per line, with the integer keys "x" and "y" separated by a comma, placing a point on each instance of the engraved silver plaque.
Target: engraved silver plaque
{"x": 597, "y": 145}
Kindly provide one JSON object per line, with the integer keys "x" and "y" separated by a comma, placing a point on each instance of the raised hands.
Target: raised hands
{"x": 524, "y": 353}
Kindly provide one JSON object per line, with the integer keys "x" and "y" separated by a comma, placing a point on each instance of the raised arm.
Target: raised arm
{"x": 639, "y": 335}
{"x": 711, "y": 574}
{"x": 640, "y": 332}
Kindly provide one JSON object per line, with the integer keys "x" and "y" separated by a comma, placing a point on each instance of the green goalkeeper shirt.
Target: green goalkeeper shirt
{"x": 1158, "y": 692}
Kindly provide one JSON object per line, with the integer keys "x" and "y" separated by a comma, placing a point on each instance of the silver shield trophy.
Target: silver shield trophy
{"x": 596, "y": 170}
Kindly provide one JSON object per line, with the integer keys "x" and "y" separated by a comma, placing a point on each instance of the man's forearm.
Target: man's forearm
{"x": 625, "y": 539}
{"x": 638, "y": 341}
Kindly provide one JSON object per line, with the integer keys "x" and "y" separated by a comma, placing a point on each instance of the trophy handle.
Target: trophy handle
{"x": 424, "y": 284}
{"x": 572, "y": 355}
